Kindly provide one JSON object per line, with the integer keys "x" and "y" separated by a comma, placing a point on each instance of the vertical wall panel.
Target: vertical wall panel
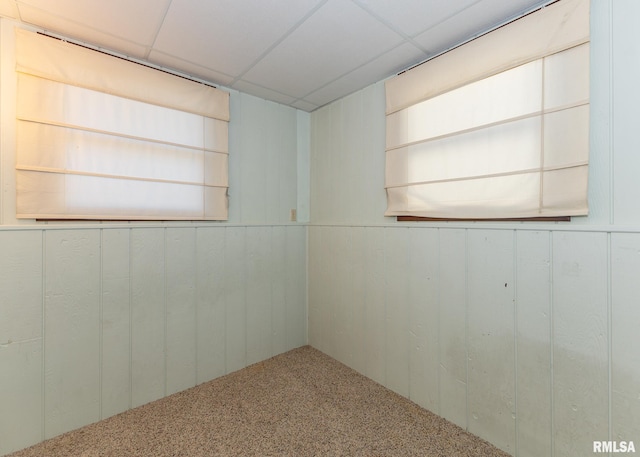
{"x": 72, "y": 330}
{"x": 580, "y": 334}
{"x": 453, "y": 326}
{"x": 116, "y": 322}
{"x": 316, "y": 288}
{"x": 258, "y": 294}
{"x": 491, "y": 367}
{"x": 342, "y": 293}
{"x": 625, "y": 355}
{"x": 373, "y": 130}
{"x": 338, "y": 178}
{"x": 320, "y": 162}
{"x": 397, "y": 310}
{"x": 533, "y": 333}
{"x": 424, "y": 322}
{"x": 374, "y": 304}
{"x": 296, "y": 286}
{"x": 253, "y": 160}
{"x": 147, "y": 315}
{"x": 20, "y": 339}
{"x": 626, "y": 98}
{"x": 326, "y": 300}
{"x": 279, "y": 147}
{"x": 236, "y": 313}
{"x": 358, "y": 277}
{"x": 273, "y": 152}
{"x": 350, "y": 183}
{"x": 277, "y": 274}
{"x": 21, "y": 397}
{"x": 180, "y": 278}
{"x": 211, "y": 312}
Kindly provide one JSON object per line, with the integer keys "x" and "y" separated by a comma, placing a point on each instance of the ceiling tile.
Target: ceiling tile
{"x": 387, "y": 65}
{"x": 228, "y": 34}
{"x": 411, "y": 17}
{"x": 121, "y": 25}
{"x": 338, "y": 38}
{"x": 303, "y": 53}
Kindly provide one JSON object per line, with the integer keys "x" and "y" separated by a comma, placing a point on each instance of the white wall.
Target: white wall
{"x": 99, "y": 318}
{"x": 525, "y": 334}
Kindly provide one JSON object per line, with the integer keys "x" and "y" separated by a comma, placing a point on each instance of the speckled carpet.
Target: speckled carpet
{"x": 301, "y": 403}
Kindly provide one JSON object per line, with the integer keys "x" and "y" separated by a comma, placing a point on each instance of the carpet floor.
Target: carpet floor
{"x": 301, "y": 403}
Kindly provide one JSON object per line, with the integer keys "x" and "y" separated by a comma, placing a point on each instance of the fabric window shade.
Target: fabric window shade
{"x": 100, "y": 137}
{"x": 498, "y": 127}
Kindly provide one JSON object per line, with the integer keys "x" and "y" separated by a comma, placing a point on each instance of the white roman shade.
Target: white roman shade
{"x": 498, "y": 127}
{"x": 99, "y": 137}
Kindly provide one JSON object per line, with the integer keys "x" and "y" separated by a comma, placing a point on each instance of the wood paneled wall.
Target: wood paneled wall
{"x": 522, "y": 333}
{"x": 97, "y": 318}
{"x": 97, "y": 321}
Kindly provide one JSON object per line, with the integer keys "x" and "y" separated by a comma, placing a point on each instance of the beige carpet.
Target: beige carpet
{"x": 301, "y": 403}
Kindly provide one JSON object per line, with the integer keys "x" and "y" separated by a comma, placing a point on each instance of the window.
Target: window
{"x": 100, "y": 137}
{"x": 497, "y": 128}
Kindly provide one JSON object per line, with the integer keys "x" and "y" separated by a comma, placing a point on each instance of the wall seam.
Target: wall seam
{"x": 609, "y": 338}
{"x": 466, "y": 326}
{"x": 44, "y": 330}
{"x": 100, "y": 325}
{"x": 196, "y": 295}
{"x": 164, "y": 301}
{"x": 130, "y": 233}
{"x": 551, "y": 345}
{"x": 515, "y": 340}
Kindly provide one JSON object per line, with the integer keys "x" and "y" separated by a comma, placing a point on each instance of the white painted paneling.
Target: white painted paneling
{"x": 316, "y": 288}
{"x": 254, "y": 160}
{"x": 148, "y": 312}
{"x": 211, "y": 310}
{"x": 533, "y": 344}
{"x": 601, "y": 122}
{"x": 280, "y": 147}
{"x": 397, "y": 310}
{"x": 303, "y": 170}
{"x": 424, "y": 321}
{"x": 257, "y": 286}
{"x": 235, "y": 295}
{"x": 374, "y": 293}
{"x": 21, "y": 395}
{"x": 296, "y": 286}
{"x": 320, "y": 162}
{"x": 453, "y": 326}
{"x": 278, "y": 275}
{"x": 372, "y": 174}
{"x": 20, "y": 286}
{"x": 327, "y": 305}
{"x": 580, "y": 342}
{"x": 180, "y": 278}
{"x": 625, "y": 320}
{"x": 72, "y": 330}
{"x": 21, "y": 321}
{"x": 348, "y": 177}
{"x": 348, "y": 153}
{"x": 263, "y": 162}
{"x": 491, "y": 336}
{"x": 341, "y": 292}
{"x": 116, "y": 323}
{"x": 359, "y": 305}
{"x": 626, "y": 98}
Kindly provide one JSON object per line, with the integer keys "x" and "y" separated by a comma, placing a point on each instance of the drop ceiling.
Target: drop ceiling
{"x": 302, "y": 53}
